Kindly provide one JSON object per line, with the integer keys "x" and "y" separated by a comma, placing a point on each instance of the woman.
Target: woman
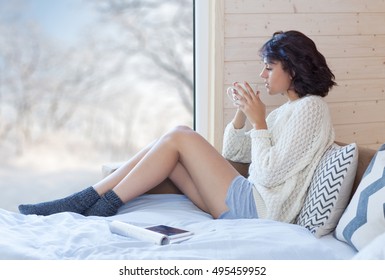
{"x": 283, "y": 148}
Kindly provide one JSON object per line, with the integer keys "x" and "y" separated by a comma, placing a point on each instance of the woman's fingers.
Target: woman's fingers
{"x": 252, "y": 93}
{"x": 248, "y": 87}
{"x": 245, "y": 92}
{"x": 242, "y": 93}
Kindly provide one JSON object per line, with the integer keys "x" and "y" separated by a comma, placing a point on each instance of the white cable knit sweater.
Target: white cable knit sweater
{"x": 283, "y": 157}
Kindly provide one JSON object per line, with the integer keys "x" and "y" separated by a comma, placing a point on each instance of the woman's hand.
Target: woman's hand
{"x": 251, "y": 105}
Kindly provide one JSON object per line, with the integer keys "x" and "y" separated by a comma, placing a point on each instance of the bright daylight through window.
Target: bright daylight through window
{"x": 83, "y": 83}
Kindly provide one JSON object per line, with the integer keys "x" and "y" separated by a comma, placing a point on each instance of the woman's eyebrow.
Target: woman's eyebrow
{"x": 269, "y": 62}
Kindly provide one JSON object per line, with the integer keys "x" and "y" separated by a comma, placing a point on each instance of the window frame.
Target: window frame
{"x": 208, "y": 69}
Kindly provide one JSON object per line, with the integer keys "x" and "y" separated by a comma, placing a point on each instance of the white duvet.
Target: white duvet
{"x": 375, "y": 250}
{"x": 73, "y": 236}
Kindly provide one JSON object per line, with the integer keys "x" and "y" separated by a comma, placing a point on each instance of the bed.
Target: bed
{"x": 75, "y": 237}
{"x": 72, "y": 236}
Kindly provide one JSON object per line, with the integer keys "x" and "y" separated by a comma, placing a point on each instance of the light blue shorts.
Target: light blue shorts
{"x": 240, "y": 200}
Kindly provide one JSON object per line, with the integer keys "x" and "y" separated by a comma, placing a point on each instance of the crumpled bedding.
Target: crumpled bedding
{"x": 375, "y": 250}
{"x": 72, "y": 236}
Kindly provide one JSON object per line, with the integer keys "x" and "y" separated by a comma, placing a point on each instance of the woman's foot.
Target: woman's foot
{"x": 77, "y": 203}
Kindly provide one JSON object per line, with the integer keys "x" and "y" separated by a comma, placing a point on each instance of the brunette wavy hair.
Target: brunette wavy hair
{"x": 302, "y": 60}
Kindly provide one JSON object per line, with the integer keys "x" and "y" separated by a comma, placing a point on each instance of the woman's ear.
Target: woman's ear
{"x": 292, "y": 75}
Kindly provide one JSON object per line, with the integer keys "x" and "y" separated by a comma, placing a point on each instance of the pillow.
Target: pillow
{"x": 330, "y": 189}
{"x": 364, "y": 218}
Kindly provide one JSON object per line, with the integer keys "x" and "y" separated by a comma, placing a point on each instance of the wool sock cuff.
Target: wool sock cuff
{"x": 113, "y": 199}
{"x": 90, "y": 196}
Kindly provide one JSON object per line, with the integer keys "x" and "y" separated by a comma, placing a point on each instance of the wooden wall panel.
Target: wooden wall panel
{"x": 350, "y": 34}
{"x": 302, "y": 6}
{"x": 358, "y": 46}
{"x": 249, "y": 25}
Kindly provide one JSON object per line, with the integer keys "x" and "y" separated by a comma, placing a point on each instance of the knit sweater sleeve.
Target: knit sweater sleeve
{"x": 290, "y": 145}
{"x": 236, "y": 144}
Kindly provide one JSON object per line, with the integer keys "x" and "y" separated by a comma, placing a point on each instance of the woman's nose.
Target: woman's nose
{"x": 263, "y": 73}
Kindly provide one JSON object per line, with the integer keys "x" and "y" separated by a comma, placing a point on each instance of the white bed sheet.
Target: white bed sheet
{"x": 73, "y": 236}
{"x": 375, "y": 250}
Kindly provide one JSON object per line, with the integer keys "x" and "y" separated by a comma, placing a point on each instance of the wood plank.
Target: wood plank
{"x": 373, "y": 146}
{"x": 351, "y": 46}
{"x": 358, "y": 112}
{"x": 244, "y": 49}
{"x": 358, "y": 68}
{"x": 357, "y": 90}
{"x": 371, "y": 23}
{"x": 243, "y": 71}
{"x": 250, "y": 25}
{"x": 358, "y": 133}
{"x": 303, "y": 6}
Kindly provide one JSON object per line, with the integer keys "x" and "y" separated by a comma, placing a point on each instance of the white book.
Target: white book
{"x": 159, "y": 234}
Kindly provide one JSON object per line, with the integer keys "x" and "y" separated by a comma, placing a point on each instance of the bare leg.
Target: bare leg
{"x": 114, "y": 178}
{"x": 182, "y": 156}
{"x": 190, "y": 162}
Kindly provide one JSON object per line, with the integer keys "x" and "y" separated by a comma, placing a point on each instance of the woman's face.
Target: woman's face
{"x": 277, "y": 81}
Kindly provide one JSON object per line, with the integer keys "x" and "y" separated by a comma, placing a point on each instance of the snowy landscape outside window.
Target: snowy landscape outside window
{"x": 84, "y": 83}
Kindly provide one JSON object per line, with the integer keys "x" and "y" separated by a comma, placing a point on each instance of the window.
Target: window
{"x": 83, "y": 83}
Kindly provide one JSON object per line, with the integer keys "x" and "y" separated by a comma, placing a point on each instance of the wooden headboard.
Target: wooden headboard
{"x": 365, "y": 155}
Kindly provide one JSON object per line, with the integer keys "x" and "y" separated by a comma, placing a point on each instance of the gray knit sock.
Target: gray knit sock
{"x": 77, "y": 203}
{"x": 107, "y": 205}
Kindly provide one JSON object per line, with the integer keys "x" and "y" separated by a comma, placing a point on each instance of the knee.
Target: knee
{"x": 181, "y": 129}
{"x": 179, "y": 132}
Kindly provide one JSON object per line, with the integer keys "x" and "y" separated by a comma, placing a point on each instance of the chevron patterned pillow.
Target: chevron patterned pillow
{"x": 329, "y": 190}
{"x": 364, "y": 218}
